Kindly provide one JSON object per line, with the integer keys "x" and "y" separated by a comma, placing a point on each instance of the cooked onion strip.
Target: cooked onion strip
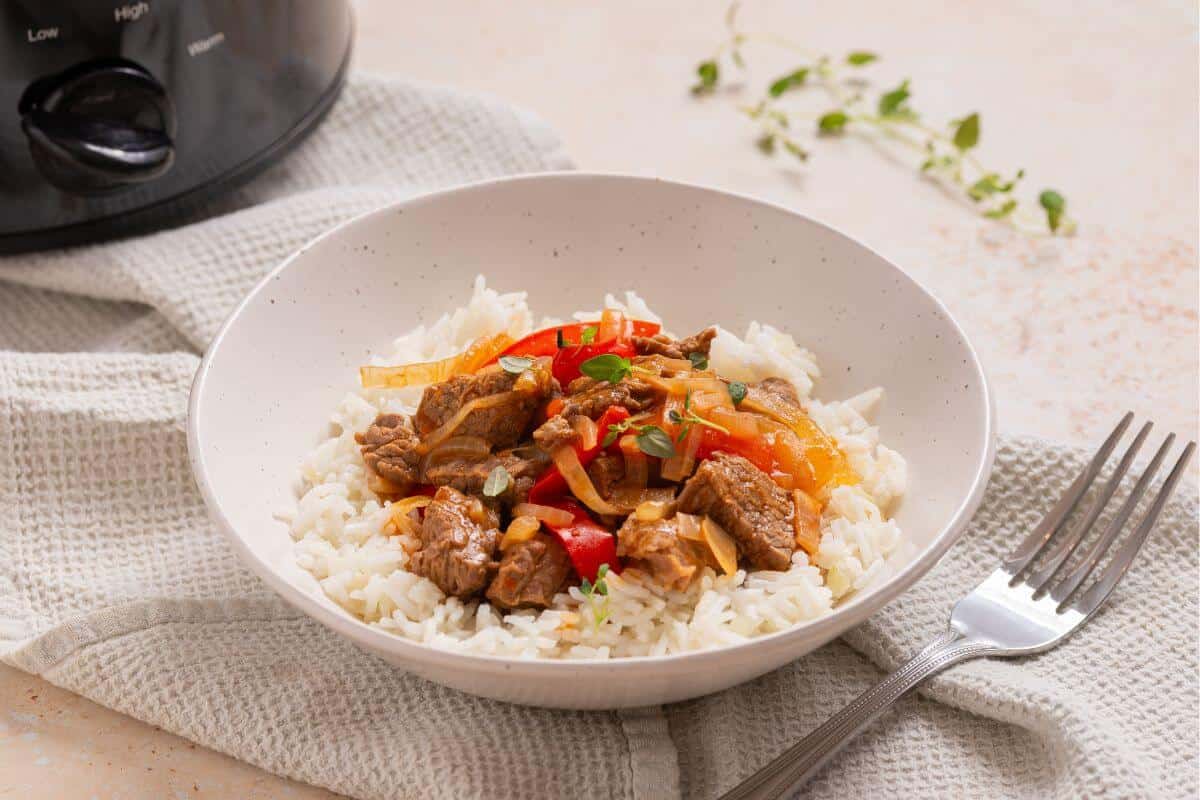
{"x": 721, "y": 545}
{"x": 586, "y": 428}
{"x": 521, "y": 529}
{"x": 400, "y": 513}
{"x": 637, "y": 464}
{"x": 807, "y": 521}
{"x": 468, "y": 448}
{"x": 627, "y": 498}
{"x": 451, "y": 425}
{"x": 567, "y": 461}
{"x": 689, "y": 527}
{"x": 480, "y": 352}
{"x": 548, "y": 514}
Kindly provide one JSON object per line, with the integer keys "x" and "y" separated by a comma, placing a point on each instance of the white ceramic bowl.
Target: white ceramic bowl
{"x": 290, "y": 351}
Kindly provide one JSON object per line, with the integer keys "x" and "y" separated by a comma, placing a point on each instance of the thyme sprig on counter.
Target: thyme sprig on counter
{"x": 847, "y": 104}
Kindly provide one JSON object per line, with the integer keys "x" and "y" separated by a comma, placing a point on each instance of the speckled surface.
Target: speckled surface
{"x": 1097, "y": 99}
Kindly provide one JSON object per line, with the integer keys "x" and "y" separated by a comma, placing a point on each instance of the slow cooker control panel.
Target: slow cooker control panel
{"x": 99, "y": 127}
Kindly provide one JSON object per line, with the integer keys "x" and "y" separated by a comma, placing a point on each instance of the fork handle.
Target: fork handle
{"x": 792, "y": 768}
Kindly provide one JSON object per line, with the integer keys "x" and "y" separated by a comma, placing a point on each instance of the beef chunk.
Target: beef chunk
{"x": 606, "y": 471}
{"x": 468, "y": 477}
{"x": 779, "y": 388}
{"x": 655, "y": 548}
{"x": 590, "y": 397}
{"x": 662, "y": 345}
{"x": 389, "y": 448}
{"x": 531, "y": 573}
{"x": 554, "y": 433}
{"x": 744, "y": 501}
{"x": 502, "y": 424}
{"x": 458, "y": 544}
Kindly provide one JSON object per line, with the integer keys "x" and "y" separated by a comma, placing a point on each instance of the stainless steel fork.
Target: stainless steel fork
{"x": 1018, "y": 610}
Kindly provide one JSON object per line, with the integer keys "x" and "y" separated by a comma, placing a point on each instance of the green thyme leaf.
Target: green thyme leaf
{"x": 588, "y": 335}
{"x": 966, "y": 134}
{"x": 608, "y": 367}
{"x": 498, "y": 480}
{"x": 610, "y": 437}
{"x": 737, "y": 392}
{"x": 585, "y": 587}
{"x": 861, "y": 58}
{"x": 1055, "y": 205}
{"x": 766, "y": 143}
{"x": 699, "y": 360}
{"x": 793, "y": 80}
{"x": 516, "y": 364}
{"x": 832, "y": 122}
{"x": 602, "y": 571}
{"x": 709, "y": 73}
{"x": 892, "y": 103}
{"x": 674, "y": 416}
{"x": 654, "y": 441}
{"x": 1003, "y": 210}
{"x": 795, "y": 149}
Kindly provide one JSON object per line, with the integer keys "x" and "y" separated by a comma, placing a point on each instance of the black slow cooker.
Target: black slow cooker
{"x": 121, "y": 115}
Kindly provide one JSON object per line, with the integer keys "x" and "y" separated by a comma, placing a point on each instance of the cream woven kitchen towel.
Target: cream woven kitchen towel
{"x": 113, "y": 583}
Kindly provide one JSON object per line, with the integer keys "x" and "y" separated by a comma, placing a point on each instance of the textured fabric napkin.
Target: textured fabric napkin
{"x": 114, "y": 584}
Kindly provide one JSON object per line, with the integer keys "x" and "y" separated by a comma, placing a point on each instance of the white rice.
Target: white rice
{"x": 338, "y": 522}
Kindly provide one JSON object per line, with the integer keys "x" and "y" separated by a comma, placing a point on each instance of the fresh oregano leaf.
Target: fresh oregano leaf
{"x": 832, "y": 122}
{"x": 654, "y": 441}
{"x": 737, "y": 392}
{"x": 608, "y": 367}
{"x": 860, "y": 58}
{"x": 890, "y": 103}
{"x": 966, "y": 134}
{"x": 793, "y": 80}
{"x": 699, "y": 360}
{"x": 709, "y": 73}
{"x": 498, "y": 480}
{"x": 1055, "y": 205}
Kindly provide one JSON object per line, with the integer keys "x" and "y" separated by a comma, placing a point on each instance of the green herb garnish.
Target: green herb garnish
{"x": 516, "y": 364}
{"x": 737, "y": 392}
{"x": 591, "y": 590}
{"x": 1056, "y": 207}
{"x": 651, "y": 439}
{"x": 946, "y": 152}
{"x": 588, "y": 335}
{"x": 689, "y": 418}
{"x": 498, "y": 480}
{"x": 793, "y": 80}
{"x": 699, "y": 360}
{"x": 608, "y": 367}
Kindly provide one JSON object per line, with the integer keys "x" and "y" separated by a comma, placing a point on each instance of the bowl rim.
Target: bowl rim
{"x": 838, "y": 621}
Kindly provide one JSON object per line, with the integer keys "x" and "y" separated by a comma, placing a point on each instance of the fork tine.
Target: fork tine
{"x": 1067, "y": 586}
{"x": 1094, "y": 597}
{"x": 1028, "y": 549}
{"x": 1038, "y": 579}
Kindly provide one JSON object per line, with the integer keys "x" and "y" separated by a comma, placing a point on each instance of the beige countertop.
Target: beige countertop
{"x": 1098, "y": 100}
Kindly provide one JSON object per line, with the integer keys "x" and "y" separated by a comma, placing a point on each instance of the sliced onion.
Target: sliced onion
{"x": 447, "y": 429}
{"x": 626, "y": 497}
{"x": 807, "y": 521}
{"x": 741, "y": 425}
{"x": 467, "y": 448}
{"x": 399, "y": 512}
{"x": 637, "y": 463}
{"x": 691, "y": 444}
{"x": 567, "y": 461}
{"x": 586, "y": 428}
{"x": 650, "y": 511}
{"x": 612, "y": 325}
{"x": 521, "y": 529}
{"x": 689, "y": 527}
{"x": 828, "y": 464}
{"x": 480, "y": 352}
{"x": 548, "y": 514}
{"x": 665, "y": 366}
{"x": 720, "y": 544}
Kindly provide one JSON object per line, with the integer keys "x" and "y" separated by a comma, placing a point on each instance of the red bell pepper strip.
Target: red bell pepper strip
{"x": 551, "y": 485}
{"x": 545, "y": 342}
{"x": 588, "y": 543}
{"x": 757, "y": 451}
